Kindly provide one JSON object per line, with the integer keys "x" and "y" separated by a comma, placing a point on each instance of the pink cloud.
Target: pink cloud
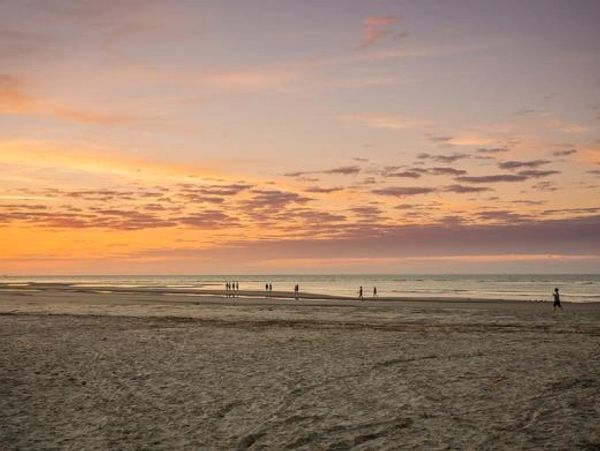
{"x": 376, "y": 28}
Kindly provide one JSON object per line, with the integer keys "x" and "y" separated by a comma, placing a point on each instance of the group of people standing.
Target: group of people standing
{"x": 361, "y": 295}
{"x": 231, "y": 288}
{"x": 268, "y": 287}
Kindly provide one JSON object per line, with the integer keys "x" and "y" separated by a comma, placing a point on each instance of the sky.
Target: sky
{"x": 314, "y": 136}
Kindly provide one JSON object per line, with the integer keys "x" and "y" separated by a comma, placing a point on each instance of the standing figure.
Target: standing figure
{"x": 374, "y": 292}
{"x": 237, "y": 286}
{"x": 296, "y": 291}
{"x": 360, "y": 293}
{"x": 556, "y": 299}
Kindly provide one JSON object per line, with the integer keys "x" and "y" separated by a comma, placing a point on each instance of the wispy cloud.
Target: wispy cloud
{"x": 376, "y": 28}
{"x": 444, "y": 158}
{"x": 492, "y": 150}
{"x": 15, "y": 100}
{"x": 492, "y": 178}
{"x": 462, "y": 189}
{"x": 564, "y": 153}
{"x": 388, "y": 121}
{"x": 403, "y": 191}
{"x": 522, "y": 164}
{"x": 340, "y": 170}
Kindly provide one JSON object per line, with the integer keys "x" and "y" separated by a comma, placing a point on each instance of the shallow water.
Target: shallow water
{"x": 526, "y": 287}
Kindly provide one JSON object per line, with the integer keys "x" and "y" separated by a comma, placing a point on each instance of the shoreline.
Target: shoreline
{"x": 32, "y": 287}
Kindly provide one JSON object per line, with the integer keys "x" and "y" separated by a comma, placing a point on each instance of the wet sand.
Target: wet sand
{"x": 131, "y": 370}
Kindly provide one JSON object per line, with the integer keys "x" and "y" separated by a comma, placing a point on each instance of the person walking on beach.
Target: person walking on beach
{"x": 360, "y": 293}
{"x": 237, "y": 286}
{"x": 556, "y": 300}
{"x": 296, "y": 291}
{"x": 374, "y": 292}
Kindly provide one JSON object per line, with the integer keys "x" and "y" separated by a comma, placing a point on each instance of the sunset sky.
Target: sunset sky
{"x": 313, "y": 136}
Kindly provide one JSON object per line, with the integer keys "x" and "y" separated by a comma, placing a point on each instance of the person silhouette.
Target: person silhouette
{"x": 556, "y": 299}
{"x": 296, "y": 291}
{"x": 374, "y": 292}
{"x": 360, "y": 293}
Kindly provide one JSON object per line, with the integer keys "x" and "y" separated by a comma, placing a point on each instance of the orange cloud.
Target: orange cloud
{"x": 43, "y": 154}
{"x": 14, "y": 99}
{"x": 589, "y": 155}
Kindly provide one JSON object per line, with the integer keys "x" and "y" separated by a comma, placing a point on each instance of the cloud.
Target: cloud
{"x": 492, "y": 150}
{"x": 575, "y": 211}
{"x": 14, "y": 99}
{"x": 528, "y": 202}
{"x": 376, "y": 28}
{"x": 402, "y": 174}
{"x": 318, "y": 189}
{"x": 366, "y": 211}
{"x": 90, "y": 117}
{"x": 462, "y": 189}
{"x": 341, "y": 170}
{"x": 208, "y": 219}
{"x": 440, "y": 139}
{"x": 23, "y": 207}
{"x": 502, "y": 216}
{"x": 116, "y": 219}
{"x": 522, "y": 164}
{"x": 215, "y": 190}
{"x": 533, "y": 173}
{"x": 574, "y": 236}
{"x": 317, "y": 218}
{"x": 492, "y": 178}
{"x": 445, "y": 171}
{"x": 417, "y": 172}
{"x": 388, "y": 121}
{"x": 448, "y": 158}
{"x": 525, "y": 111}
{"x": 273, "y": 199}
{"x": 564, "y": 153}
{"x": 246, "y": 80}
{"x": 102, "y": 195}
{"x": 402, "y": 191}
{"x": 545, "y": 186}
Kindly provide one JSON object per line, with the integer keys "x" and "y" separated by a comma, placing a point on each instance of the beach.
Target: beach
{"x": 131, "y": 369}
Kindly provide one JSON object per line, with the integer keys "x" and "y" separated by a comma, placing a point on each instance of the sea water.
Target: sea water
{"x": 526, "y": 287}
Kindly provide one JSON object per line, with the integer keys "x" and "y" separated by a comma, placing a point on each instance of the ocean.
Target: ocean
{"x": 525, "y": 287}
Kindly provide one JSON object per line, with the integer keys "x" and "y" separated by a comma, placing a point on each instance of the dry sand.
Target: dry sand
{"x": 82, "y": 370}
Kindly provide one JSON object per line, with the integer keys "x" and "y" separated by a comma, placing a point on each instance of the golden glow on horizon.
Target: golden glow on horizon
{"x": 153, "y": 135}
